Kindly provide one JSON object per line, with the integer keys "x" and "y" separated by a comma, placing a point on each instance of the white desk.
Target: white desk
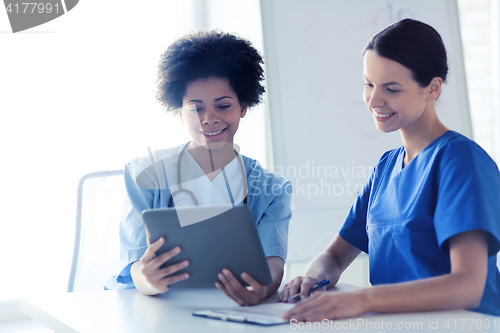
{"x": 130, "y": 311}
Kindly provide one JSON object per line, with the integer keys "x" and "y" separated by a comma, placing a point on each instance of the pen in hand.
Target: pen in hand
{"x": 318, "y": 285}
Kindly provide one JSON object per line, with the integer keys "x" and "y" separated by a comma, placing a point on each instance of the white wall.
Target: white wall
{"x": 476, "y": 20}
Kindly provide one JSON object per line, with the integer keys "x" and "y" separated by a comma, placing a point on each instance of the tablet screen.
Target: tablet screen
{"x": 211, "y": 238}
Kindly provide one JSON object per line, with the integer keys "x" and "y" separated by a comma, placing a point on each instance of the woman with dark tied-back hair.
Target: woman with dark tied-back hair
{"x": 429, "y": 214}
{"x": 209, "y": 79}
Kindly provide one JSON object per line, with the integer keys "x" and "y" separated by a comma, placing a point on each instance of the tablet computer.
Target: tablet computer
{"x": 211, "y": 238}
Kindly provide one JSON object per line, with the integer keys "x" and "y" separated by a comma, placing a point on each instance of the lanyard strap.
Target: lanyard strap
{"x": 228, "y": 187}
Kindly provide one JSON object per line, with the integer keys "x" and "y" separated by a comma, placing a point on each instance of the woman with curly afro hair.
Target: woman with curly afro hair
{"x": 209, "y": 79}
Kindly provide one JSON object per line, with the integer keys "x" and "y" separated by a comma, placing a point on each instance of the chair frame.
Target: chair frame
{"x": 76, "y": 248}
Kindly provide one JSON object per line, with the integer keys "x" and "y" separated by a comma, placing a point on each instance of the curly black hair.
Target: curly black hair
{"x": 205, "y": 54}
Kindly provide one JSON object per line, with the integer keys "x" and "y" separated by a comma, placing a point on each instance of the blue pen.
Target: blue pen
{"x": 318, "y": 285}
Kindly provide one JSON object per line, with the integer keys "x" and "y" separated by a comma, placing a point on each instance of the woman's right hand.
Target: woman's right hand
{"x": 300, "y": 284}
{"x": 159, "y": 279}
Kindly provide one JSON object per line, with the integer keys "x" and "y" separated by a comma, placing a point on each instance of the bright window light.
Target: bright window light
{"x": 78, "y": 96}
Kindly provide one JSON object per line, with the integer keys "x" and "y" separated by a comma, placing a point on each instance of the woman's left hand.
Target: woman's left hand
{"x": 328, "y": 305}
{"x": 242, "y": 295}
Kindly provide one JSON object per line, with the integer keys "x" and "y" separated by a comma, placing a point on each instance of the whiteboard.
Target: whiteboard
{"x": 323, "y": 136}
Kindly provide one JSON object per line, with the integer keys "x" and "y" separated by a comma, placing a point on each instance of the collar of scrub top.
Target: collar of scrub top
{"x": 185, "y": 190}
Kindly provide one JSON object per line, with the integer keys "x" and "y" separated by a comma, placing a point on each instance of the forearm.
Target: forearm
{"x": 324, "y": 266}
{"x": 333, "y": 261}
{"x": 446, "y": 292}
{"x": 140, "y": 282}
{"x": 276, "y": 267}
{"x": 451, "y": 291}
{"x": 462, "y": 288}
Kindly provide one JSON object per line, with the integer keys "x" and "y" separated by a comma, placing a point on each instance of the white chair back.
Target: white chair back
{"x": 96, "y": 255}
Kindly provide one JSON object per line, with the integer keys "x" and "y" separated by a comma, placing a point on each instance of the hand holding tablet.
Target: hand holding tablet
{"x": 227, "y": 239}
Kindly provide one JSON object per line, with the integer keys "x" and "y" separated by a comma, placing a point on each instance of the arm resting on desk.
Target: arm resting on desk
{"x": 462, "y": 288}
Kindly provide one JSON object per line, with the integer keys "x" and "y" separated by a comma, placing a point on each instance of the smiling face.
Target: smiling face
{"x": 392, "y": 95}
{"x": 211, "y": 112}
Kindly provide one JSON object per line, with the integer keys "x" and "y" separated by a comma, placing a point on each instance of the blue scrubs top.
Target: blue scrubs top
{"x": 269, "y": 199}
{"x": 404, "y": 217}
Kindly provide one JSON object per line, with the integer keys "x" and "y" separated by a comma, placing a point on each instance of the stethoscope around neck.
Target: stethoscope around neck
{"x": 191, "y": 194}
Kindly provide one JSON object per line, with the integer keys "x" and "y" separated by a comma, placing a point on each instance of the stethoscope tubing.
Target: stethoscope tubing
{"x": 191, "y": 194}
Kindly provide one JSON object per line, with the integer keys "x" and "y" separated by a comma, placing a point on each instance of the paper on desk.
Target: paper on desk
{"x": 262, "y": 314}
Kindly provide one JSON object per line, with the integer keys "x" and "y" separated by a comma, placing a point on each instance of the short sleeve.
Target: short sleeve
{"x": 273, "y": 225}
{"x": 468, "y": 194}
{"x": 353, "y": 229}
